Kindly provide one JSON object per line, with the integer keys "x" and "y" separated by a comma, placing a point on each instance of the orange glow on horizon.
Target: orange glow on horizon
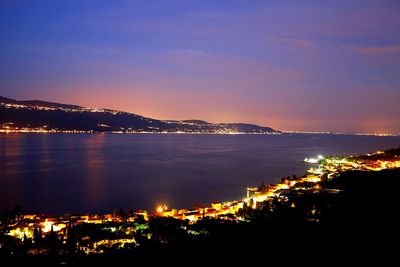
{"x": 216, "y": 107}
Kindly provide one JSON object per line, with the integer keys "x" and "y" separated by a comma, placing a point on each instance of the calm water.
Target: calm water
{"x": 56, "y": 173}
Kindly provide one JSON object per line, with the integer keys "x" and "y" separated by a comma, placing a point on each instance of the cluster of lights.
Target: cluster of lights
{"x": 317, "y": 159}
{"x": 160, "y": 209}
{"x": 51, "y": 226}
{"x": 340, "y": 133}
{"x": 66, "y": 109}
{"x": 254, "y": 196}
{"x": 8, "y": 129}
{"x": 222, "y": 129}
{"x": 329, "y": 166}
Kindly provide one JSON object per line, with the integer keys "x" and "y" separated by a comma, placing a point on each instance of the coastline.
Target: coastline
{"x": 311, "y": 206}
{"x": 327, "y": 169}
{"x": 43, "y": 131}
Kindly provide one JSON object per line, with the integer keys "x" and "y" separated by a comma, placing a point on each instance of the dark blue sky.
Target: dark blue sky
{"x": 292, "y": 65}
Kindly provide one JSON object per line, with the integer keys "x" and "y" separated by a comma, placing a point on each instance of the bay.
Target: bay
{"x": 96, "y": 173}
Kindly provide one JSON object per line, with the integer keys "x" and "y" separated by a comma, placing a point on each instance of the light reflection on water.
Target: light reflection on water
{"x": 57, "y": 173}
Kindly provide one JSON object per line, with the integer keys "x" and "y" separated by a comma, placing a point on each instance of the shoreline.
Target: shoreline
{"x": 255, "y": 195}
{"x": 295, "y": 206}
{"x": 40, "y": 131}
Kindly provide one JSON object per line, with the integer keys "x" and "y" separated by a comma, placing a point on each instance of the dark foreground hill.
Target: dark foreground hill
{"x": 36, "y": 114}
{"x": 357, "y": 225}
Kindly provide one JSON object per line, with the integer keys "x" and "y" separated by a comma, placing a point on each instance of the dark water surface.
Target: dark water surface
{"x": 57, "y": 173}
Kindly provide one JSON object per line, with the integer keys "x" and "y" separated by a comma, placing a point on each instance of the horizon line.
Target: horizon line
{"x": 193, "y": 119}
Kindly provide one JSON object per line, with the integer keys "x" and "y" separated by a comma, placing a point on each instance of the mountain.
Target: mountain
{"x": 36, "y": 114}
{"x": 37, "y": 103}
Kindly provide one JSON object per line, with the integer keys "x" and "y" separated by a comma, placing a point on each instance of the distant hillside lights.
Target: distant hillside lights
{"x": 84, "y": 120}
{"x": 43, "y": 130}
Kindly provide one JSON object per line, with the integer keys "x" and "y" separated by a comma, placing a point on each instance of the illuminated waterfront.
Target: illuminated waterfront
{"x": 97, "y": 173}
{"x": 327, "y": 169}
{"x": 123, "y": 226}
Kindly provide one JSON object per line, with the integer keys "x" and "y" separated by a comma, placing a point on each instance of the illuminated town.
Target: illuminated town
{"x": 170, "y": 126}
{"x": 106, "y": 120}
{"x": 121, "y": 229}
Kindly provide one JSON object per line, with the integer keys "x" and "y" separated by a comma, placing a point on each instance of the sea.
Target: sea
{"x": 98, "y": 173}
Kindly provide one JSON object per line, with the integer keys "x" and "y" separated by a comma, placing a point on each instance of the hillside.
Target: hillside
{"x": 36, "y": 114}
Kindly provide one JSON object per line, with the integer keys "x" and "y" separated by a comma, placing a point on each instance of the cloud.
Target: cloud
{"x": 379, "y": 49}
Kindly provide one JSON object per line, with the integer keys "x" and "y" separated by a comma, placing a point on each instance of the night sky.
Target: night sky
{"x": 291, "y": 65}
